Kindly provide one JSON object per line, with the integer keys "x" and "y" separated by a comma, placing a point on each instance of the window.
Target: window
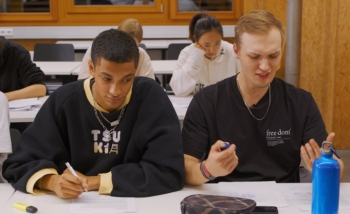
{"x": 28, "y": 10}
{"x": 114, "y": 6}
{"x": 222, "y": 9}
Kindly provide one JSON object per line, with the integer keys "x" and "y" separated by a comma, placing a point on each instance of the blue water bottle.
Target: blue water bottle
{"x": 325, "y": 182}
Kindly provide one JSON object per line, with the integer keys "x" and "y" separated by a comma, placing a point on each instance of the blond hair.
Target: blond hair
{"x": 257, "y": 22}
{"x": 133, "y": 28}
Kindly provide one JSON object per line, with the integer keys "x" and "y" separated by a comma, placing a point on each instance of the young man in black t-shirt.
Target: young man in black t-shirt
{"x": 252, "y": 126}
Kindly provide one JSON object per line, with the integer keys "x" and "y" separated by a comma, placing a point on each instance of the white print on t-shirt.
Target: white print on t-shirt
{"x": 274, "y": 138}
{"x": 102, "y": 144}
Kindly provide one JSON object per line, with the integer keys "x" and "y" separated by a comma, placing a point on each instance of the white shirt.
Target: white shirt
{"x": 194, "y": 68}
{"x": 5, "y": 139}
{"x": 143, "y": 69}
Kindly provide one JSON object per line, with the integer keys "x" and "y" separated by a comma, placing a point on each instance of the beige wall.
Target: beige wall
{"x": 325, "y": 63}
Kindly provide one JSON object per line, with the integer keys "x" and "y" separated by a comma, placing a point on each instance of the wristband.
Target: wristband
{"x": 205, "y": 172}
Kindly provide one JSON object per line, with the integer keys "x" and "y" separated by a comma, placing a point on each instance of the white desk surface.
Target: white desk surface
{"x": 159, "y": 67}
{"x": 28, "y": 116}
{"x": 163, "y": 66}
{"x": 150, "y": 44}
{"x": 6, "y": 191}
{"x": 167, "y": 203}
{"x": 57, "y": 68}
{"x": 25, "y": 116}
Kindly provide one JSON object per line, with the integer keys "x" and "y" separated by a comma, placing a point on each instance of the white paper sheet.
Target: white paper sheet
{"x": 264, "y": 193}
{"x": 92, "y": 202}
{"x": 24, "y": 104}
{"x": 301, "y": 195}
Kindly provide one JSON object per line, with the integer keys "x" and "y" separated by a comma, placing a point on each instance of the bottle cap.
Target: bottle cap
{"x": 327, "y": 148}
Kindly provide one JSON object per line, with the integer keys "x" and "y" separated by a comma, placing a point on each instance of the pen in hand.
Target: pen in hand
{"x": 226, "y": 145}
{"x": 73, "y": 172}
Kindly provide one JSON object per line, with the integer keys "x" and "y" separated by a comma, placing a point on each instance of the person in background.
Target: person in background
{"x": 119, "y": 132}
{"x": 5, "y": 139}
{"x": 134, "y": 29}
{"x": 19, "y": 77}
{"x": 205, "y": 62}
{"x": 252, "y": 126}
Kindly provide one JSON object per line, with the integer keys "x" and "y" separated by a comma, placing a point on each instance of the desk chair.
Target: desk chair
{"x": 174, "y": 50}
{"x": 304, "y": 175}
{"x": 55, "y": 52}
{"x": 15, "y": 136}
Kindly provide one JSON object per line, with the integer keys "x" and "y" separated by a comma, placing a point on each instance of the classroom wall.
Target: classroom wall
{"x": 325, "y": 63}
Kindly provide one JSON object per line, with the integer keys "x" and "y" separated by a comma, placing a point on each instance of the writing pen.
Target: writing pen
{"x": 226, "y": 145}
{"x": 73, "y": 172}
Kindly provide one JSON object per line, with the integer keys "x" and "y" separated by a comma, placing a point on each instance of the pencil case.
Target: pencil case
{"x": 212, "y": 204}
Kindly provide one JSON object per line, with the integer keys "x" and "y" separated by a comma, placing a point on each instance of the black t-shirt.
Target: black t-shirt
{"x": 268, "y": 150}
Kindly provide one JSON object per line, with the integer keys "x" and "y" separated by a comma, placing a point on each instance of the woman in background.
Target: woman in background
{"x": 134, "y": 29}
{"x": 205, "y": 62}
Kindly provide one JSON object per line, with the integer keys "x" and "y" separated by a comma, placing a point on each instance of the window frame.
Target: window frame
{"x": 71, "y": 8}
{"x": 28, "y": 16}
{"x": 234, "y": 14}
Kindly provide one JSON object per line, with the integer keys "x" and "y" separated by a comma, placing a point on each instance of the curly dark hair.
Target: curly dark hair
{"x": 116, "y": 46}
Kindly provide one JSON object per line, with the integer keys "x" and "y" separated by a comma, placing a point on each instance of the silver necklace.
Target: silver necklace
{"x": 107, "y": 132}
{"x": 239, "y": 89}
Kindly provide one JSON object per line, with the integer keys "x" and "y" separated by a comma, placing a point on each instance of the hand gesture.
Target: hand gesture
{"x": 221, "y": 163}
{"x": 311, "y": 151}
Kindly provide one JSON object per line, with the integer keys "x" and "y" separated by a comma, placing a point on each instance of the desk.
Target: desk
{"x": 163, "y": 66}
{"x": 180, "y": 104}
{"x": 25, "y": 116}
{"x": 150, "y": 44}
{"x": 28, "y": 116}
{"x": 57, "y": 68}
{"x": 6, "y": 191}
{"x": 159, "y": 67}
{"x": 167, "y": 203}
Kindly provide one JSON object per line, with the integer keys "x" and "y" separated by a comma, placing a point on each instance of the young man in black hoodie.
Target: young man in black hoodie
{"x": 119, "y": 132}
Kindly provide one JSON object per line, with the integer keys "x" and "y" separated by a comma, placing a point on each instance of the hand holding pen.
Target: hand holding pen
{"x": 222, "y": 159}
{"x": 70, "y": 168}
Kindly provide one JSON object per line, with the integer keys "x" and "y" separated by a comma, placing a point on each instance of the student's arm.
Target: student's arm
{"x": 38, "y": 150}
{"x": 31, "y": 77}
{"x": 144, "y": 68}
{"x": 187, "y": 72}
{"x": 68, "y": 186}
{"x": 84, "y": 67}
{"x": 311, "y": 151}
{"x": 314, "y": 134}
{"x": 36, "y": 90}
{"x": 219, "y": 163}
{"x": 157, "y": 136}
